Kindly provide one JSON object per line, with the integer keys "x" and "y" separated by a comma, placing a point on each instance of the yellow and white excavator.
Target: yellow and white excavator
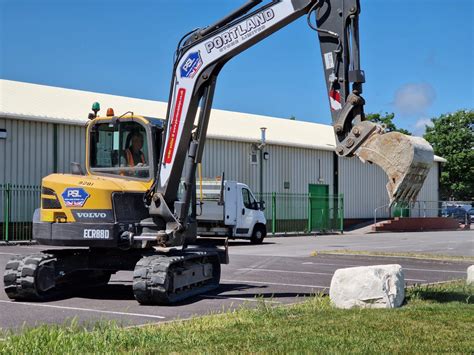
{"x": 125, "y": 211}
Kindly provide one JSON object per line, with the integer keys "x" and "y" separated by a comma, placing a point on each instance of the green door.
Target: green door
{"x": 318, "y": 207}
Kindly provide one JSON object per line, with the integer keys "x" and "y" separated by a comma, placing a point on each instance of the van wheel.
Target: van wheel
{"x": 258, "y": 235}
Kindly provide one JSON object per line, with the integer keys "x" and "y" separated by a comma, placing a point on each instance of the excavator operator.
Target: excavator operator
{"x": 133, "y": 153}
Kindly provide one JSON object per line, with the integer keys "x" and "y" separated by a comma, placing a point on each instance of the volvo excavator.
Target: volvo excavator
{"x": 136, "y": 210}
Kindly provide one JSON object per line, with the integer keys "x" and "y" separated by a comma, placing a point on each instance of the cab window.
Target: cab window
{"x": 120, "y": 149}
{"x": 249, "y": 200}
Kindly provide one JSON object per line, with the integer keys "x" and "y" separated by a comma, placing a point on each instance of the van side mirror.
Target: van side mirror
{"x": 261, "y": 205}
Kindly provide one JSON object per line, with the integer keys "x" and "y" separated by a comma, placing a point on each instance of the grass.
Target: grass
{"x": 438, "y": 318}
{"x": 395, "y": 254}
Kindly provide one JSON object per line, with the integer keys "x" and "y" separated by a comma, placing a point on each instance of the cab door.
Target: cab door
{"x": 246, "y": 213}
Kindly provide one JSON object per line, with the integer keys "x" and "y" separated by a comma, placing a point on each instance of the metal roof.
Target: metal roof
{"x": 22, "y": 100}
{"x": 46, "y": 103}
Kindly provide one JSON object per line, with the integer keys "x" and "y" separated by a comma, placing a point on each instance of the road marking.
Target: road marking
{"x": 327, "y": 264}
{"x": 276, "y": 283}
{"x": 83, "y": 309}
{"x": 240, "y": 298}
{"x": 309, "y": 272}
{"x": 286, "y": 271}
{"x": 404, "y": 268}
{"x": 433, "y": 270}
{"x": 9, "y": 254}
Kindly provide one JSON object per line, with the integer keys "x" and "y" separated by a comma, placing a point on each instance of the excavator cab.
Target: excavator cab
{"x": 126, "y": 147}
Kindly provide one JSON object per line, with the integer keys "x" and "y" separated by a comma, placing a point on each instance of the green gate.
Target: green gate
{"x": 17, "y": 205}
{"x": 289, "y": 213}
{"x": 318, "y": 208}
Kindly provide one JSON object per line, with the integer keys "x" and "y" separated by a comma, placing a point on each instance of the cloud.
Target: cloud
{"x": 419, "y": 127}
{"x": 414, "y": 98}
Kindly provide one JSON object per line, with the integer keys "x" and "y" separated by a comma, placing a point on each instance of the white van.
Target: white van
{"x": 229, "y": 208}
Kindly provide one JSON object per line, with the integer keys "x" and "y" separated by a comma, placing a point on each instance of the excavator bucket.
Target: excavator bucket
{"x": 405, "y": 159}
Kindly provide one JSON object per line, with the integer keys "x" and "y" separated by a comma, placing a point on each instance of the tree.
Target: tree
{"x": 452, "y": 137}
{"x": 386, "y": 120}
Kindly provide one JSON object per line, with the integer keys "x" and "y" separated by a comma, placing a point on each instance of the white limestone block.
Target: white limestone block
{"x": 470, "y": 275}
{"x": 378, "y": 286}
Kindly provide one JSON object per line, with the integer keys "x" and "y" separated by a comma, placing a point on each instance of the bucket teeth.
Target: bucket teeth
{"x": 405, "y": 159}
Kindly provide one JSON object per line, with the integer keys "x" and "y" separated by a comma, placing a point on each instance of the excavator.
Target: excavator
{"x": 135, "y": 206}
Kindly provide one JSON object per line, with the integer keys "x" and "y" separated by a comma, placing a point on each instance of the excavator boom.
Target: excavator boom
{"x": 199, "y": 59}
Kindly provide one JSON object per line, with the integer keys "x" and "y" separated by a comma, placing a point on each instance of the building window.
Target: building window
{"x": 3, "y": 133}
{"x": 253, "y": 158}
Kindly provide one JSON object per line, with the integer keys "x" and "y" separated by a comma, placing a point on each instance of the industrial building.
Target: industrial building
{"x": 42, "y": 130}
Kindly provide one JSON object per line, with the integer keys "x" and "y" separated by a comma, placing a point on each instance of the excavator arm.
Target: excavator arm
{"x": 201, "y": 55}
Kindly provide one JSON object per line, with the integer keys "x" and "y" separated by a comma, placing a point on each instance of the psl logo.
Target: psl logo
{"x": 191, "y": 65}
{"x": 74, "y": 197}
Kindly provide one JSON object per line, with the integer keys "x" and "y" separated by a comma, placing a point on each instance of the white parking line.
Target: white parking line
{"x": 275, "y": 283}
{"x": 327, "y": 264}
{"x": 240, "y": 298}
{"x": 308, "y": 272}
{"x": 404, "y": 268}
{"x": 83, "y": 309}
{"x": 433, "y": 270}
{"x": 286, "y": 271}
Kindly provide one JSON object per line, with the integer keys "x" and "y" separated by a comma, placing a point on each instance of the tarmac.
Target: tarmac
{"x": 280, "y": 271}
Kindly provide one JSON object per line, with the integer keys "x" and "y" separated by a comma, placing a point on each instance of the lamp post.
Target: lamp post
{"x": 260, "y": 148}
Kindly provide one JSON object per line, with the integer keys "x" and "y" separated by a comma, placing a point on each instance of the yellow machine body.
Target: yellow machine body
{"x": 98, "y": 187}
{"x": 79, "y": 208}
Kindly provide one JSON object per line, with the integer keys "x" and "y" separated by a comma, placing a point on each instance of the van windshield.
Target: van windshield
{"x": 120, "y": 149}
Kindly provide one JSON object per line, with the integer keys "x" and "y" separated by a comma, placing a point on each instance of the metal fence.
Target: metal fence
{"x": 285, "y": 213}
{"x": 17, "y": 205}
{"x": 303, "y": 213}
{"x": 460, "y": 210}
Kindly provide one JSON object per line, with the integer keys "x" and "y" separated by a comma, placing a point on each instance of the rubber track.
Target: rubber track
{"x": 151, "y": 279}
{"x": 19, "y": 276}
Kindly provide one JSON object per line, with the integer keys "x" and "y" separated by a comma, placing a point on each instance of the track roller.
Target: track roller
{"x": 163, "y": 280}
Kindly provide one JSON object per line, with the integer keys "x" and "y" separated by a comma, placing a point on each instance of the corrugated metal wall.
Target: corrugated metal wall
{"x": 71, "y": 147}
{"x": 26, "y": 155}
{"x": 429, "y": 193}
{"x": 298, "y": 166}
{"x": 363, "y": 186}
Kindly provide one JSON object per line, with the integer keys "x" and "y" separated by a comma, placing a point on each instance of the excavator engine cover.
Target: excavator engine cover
{"x": 405, "y": 159}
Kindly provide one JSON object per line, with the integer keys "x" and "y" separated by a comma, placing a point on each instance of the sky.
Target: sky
{"x": 418, "y": 55}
